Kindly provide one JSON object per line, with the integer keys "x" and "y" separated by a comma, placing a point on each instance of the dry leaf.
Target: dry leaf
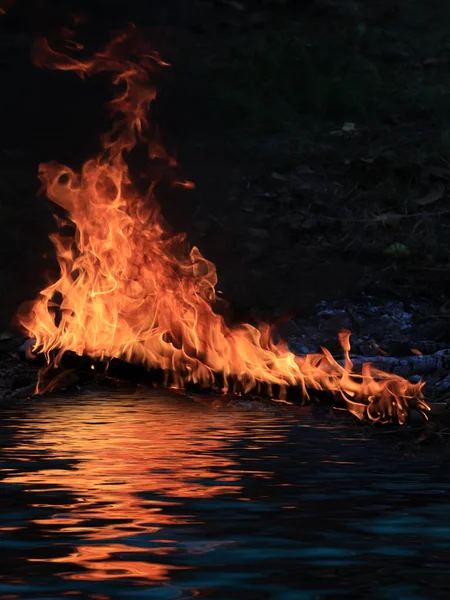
{"x": 433, "y": 196}
{"x": 349, "y": 127}
{"x": 431, "y": 62}
{"x": 435, "y": 62}
{"x": 278, "y": 176}
{"x": 391, "y": 218}
{"x": 267, "y": 195}
{"x": 397, "y": 250}
{"x": 233, "y": 4}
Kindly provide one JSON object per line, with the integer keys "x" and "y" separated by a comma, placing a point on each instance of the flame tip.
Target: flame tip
{"x": 128, "y": 289}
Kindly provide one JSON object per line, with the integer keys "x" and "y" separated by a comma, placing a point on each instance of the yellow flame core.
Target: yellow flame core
{"x": 130, "y": 290}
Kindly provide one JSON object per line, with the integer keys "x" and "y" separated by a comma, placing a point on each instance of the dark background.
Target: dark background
{"x": 317, "y": 134}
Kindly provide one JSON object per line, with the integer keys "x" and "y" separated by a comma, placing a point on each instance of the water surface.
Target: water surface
{"x": 148, "y": 495}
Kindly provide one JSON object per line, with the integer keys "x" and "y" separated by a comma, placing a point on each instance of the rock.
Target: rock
{"x": 24, "y": 392}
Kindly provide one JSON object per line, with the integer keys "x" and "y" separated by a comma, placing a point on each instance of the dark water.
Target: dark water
{"x": 163, "y": 498}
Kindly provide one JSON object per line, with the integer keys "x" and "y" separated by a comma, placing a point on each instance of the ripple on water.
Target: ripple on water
{"x": 153, "y": 495}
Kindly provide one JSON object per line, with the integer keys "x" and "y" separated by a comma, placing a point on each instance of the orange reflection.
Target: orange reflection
{"x": 108, "y": 564}
{"x": 126, "y": 469}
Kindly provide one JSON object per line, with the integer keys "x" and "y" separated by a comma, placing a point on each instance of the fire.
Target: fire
{"x": 128, "y": 289}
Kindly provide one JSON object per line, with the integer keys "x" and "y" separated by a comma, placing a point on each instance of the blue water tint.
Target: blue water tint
{"x": 441, "y": 545}
{"x": 393, "y": 551}
{"x": 307, "y": 594}
{"x": 336, "y": 562}
{"x": 439, "y": 531}
{"x": 402, "y": 592}
{"x": 433, "y": 509}
{"x": 329, "y": 552}
{"x": 159, "y": 593}
{"x": 158, "y": 497}
{"x": 381, "y": 528}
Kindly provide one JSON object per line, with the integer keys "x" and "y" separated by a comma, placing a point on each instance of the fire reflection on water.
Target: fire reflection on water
{"x": 116, "y": 481}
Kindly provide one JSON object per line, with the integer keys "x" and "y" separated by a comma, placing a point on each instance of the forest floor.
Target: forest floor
{"x": 319, "y": 139}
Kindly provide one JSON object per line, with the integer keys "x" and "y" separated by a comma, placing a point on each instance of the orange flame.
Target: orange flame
{"x": 130, "y": 290}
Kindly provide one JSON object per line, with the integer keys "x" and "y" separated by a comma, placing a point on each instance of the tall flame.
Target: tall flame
{"x": 130, "y": 290}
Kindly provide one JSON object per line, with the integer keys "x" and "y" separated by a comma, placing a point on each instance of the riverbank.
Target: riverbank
{"x": 18, "y": 376}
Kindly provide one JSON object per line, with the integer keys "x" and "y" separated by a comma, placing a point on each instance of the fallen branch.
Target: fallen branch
{"x": 407, "y": 366}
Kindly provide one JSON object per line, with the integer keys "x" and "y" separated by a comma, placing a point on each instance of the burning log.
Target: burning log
{"x": 130, "y": 290}
{"x": 73, "y": 369}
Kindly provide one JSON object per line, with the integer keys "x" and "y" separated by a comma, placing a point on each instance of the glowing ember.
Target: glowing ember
{"x": 130, "y": 290}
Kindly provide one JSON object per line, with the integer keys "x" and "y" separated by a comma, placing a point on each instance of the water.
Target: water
{"x": 158, "y": 497}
